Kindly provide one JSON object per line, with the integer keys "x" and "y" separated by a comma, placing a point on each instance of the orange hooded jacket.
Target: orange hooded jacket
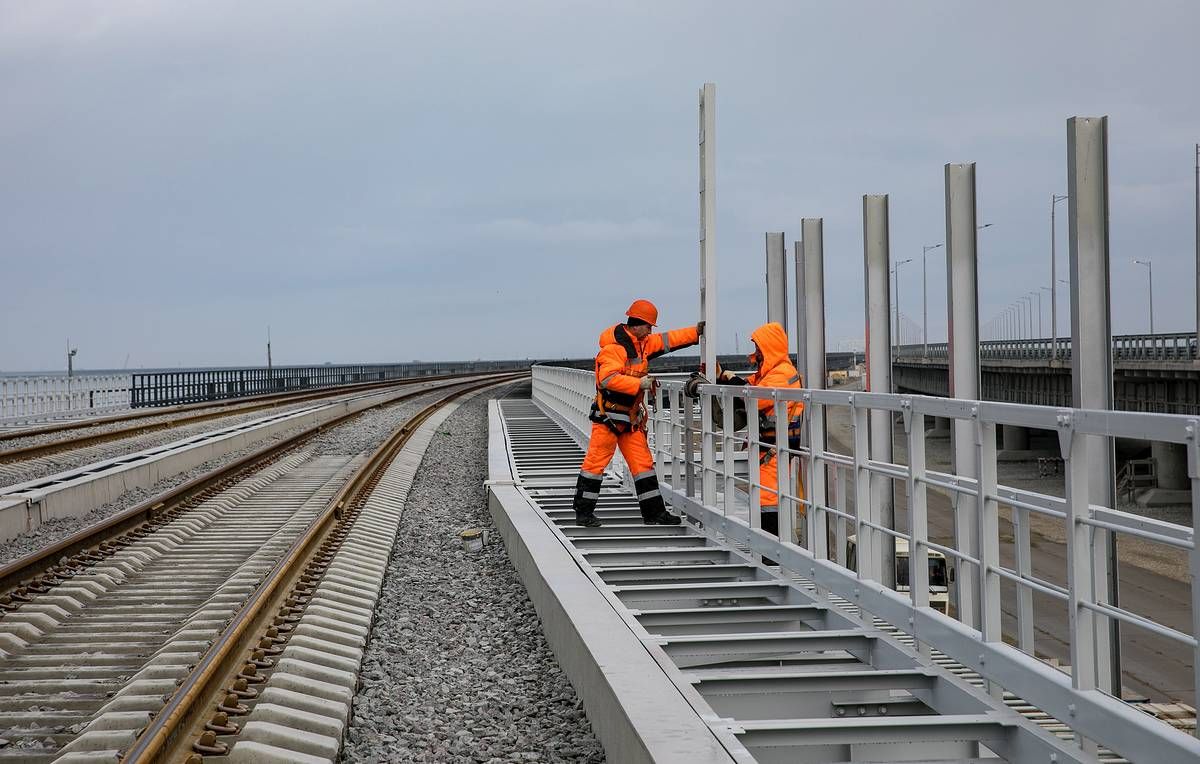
{"x": 776, "y": 370}
{"x": 622, "y": 362}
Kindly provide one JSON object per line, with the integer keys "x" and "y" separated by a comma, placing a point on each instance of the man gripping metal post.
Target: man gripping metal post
{"x": 772, "y": 368}
{"x": 618, "y": 413}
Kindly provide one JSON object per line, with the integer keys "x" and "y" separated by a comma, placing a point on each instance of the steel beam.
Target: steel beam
{"x": 1091, "y": 353}
{"x": 879, "y": 380}
{"x": 801, "y": 311}
{"x": 812, "y": 328}
{"x": 708, "y": 276}
{"x": 962, "y": 292}
{"x": 777, "y": 307}
{"x": 813, "y": 325}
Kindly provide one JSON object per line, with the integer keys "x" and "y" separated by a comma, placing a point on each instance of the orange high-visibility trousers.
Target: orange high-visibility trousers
{"x": 604, "y": 443}
{"x": 768, "y": 476}
{"x": 601, "y": 447}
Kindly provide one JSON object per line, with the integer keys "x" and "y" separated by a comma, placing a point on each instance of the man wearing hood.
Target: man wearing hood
{"x": 618, "y": 415}
{"x": 773, "y": 368}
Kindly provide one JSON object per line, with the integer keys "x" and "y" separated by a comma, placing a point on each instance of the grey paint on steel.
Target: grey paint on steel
{"x": 1091, "y": 332}
{"x": 636, "y": 711}
{"x": 777, "y": 307}
{"x": 962, "y": 291}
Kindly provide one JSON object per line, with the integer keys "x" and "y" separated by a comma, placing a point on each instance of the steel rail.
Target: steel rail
{"x": 170, "y": 735}
{"x": 229, "y": 408}
{"x": 40, "y": 571}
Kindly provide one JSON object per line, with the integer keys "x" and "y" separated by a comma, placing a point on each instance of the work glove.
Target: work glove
{"x": 700, "y": 329}
{"x": 647, "y": 382}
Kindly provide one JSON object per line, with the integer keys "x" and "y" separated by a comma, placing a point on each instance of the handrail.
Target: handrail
{"x": 1174, "y": 347}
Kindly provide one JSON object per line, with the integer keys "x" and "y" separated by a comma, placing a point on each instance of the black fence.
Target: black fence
{"x": 172, "y": 388}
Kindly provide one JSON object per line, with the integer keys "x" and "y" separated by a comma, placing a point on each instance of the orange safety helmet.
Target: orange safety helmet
{"x": 643, "y": 310}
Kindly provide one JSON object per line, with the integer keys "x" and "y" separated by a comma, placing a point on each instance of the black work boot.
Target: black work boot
{"x": 662, "y": 518}
{"x": 654, "y": 510}
{"x": 587, "y": 493}
{"x": 770, "y": 523}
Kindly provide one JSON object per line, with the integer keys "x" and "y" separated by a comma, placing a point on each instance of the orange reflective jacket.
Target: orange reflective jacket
{"x": 622, "y": 362}
{"x": 776, "y": 370}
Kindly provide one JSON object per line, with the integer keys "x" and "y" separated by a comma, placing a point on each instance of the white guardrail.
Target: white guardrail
{"x": 36, "y": 398}
{"x": 708, "y": 489}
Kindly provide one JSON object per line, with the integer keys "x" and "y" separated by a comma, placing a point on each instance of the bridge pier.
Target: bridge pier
{"x": 939, "y": 427}
{"x": 1014, "y": 438}
{"x": 1171, "y": 466}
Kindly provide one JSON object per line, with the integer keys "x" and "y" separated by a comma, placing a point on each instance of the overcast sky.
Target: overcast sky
{"x": 390, "y": 181}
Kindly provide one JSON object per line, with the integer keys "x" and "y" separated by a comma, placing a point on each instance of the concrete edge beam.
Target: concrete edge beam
{"x": 634, "y": 708}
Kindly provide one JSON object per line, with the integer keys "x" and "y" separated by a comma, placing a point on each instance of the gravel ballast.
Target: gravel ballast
{"x": 457, "y": 667}
{"x": 360, "y": 434}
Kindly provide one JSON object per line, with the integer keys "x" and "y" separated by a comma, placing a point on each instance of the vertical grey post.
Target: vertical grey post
{"x": 1197, "y": 195}
{"x": 801, "y": 312}
{"x": 1091, "y": 354}
{"x": 812, "y": 328}
{"x": 879, "y": 380}
{"x": 962, "y": 291}
{"x": 776, "y": 279}
{"x": 708, "y": 276}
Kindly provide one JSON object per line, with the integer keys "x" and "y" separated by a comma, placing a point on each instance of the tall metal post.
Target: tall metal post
{"x": 1197, "y": 198}
{"x": 801, "y": 311}
{"x": 925, "y": 296}
{"x": 962, "y": 293}
{"x": 1091, "y": 355}
{"x": 1054, "y": 200}
{"x": 776, "y": 279}
{"x": 880, "y": 509}
{"x": 812, "y": 260}
{"x": 708, "y": 275}
{"x": 813, "y": 328}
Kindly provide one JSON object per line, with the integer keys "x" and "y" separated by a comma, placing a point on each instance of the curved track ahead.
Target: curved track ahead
{"x": 210, "y": 575}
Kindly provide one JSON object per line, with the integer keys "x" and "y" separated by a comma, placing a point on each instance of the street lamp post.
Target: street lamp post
{"x": 925, "y": 296}
{"x": 1038, "y": 294}
{"x": 1150, "y": 272}
{"x": 896, "y": 309}
{"x": 1054, "y": 200}
{"x": 70, "y": 372}
{"x": 1040, "y": 290}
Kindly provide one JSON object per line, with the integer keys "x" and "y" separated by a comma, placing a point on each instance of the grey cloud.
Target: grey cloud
{"x": 461, "y": 179}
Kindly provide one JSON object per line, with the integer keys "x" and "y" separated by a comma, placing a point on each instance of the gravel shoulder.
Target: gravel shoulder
{"x": 457, "y": 668}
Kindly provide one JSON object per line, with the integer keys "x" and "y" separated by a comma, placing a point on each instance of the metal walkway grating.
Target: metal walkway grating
{"x": 776, "y": 673}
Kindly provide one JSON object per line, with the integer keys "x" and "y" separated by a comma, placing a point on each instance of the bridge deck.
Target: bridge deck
{"x": 683, "y": 648}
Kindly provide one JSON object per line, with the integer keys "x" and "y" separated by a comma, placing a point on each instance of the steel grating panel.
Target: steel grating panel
{"x": 773, "y": 672}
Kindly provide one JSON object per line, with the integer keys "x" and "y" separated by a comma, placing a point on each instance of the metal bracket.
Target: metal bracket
{"x": 1066, "y": 433}
{"x": 1193, "y": 448}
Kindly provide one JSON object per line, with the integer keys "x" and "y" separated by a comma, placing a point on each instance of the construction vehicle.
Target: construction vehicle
{"x": 940, "y": 576}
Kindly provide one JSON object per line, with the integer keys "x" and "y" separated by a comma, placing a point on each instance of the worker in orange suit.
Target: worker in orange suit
{"x": 772, "y": 368}
{"x": 618, "y": 414}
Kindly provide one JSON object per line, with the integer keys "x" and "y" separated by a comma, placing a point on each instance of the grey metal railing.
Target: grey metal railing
{"x": 708, "y": 490}
{"x": 1174, "y": 347}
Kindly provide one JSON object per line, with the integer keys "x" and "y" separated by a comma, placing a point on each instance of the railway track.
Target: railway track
{"x": 186, "y": 598}
{"x": 93, "y": 432}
